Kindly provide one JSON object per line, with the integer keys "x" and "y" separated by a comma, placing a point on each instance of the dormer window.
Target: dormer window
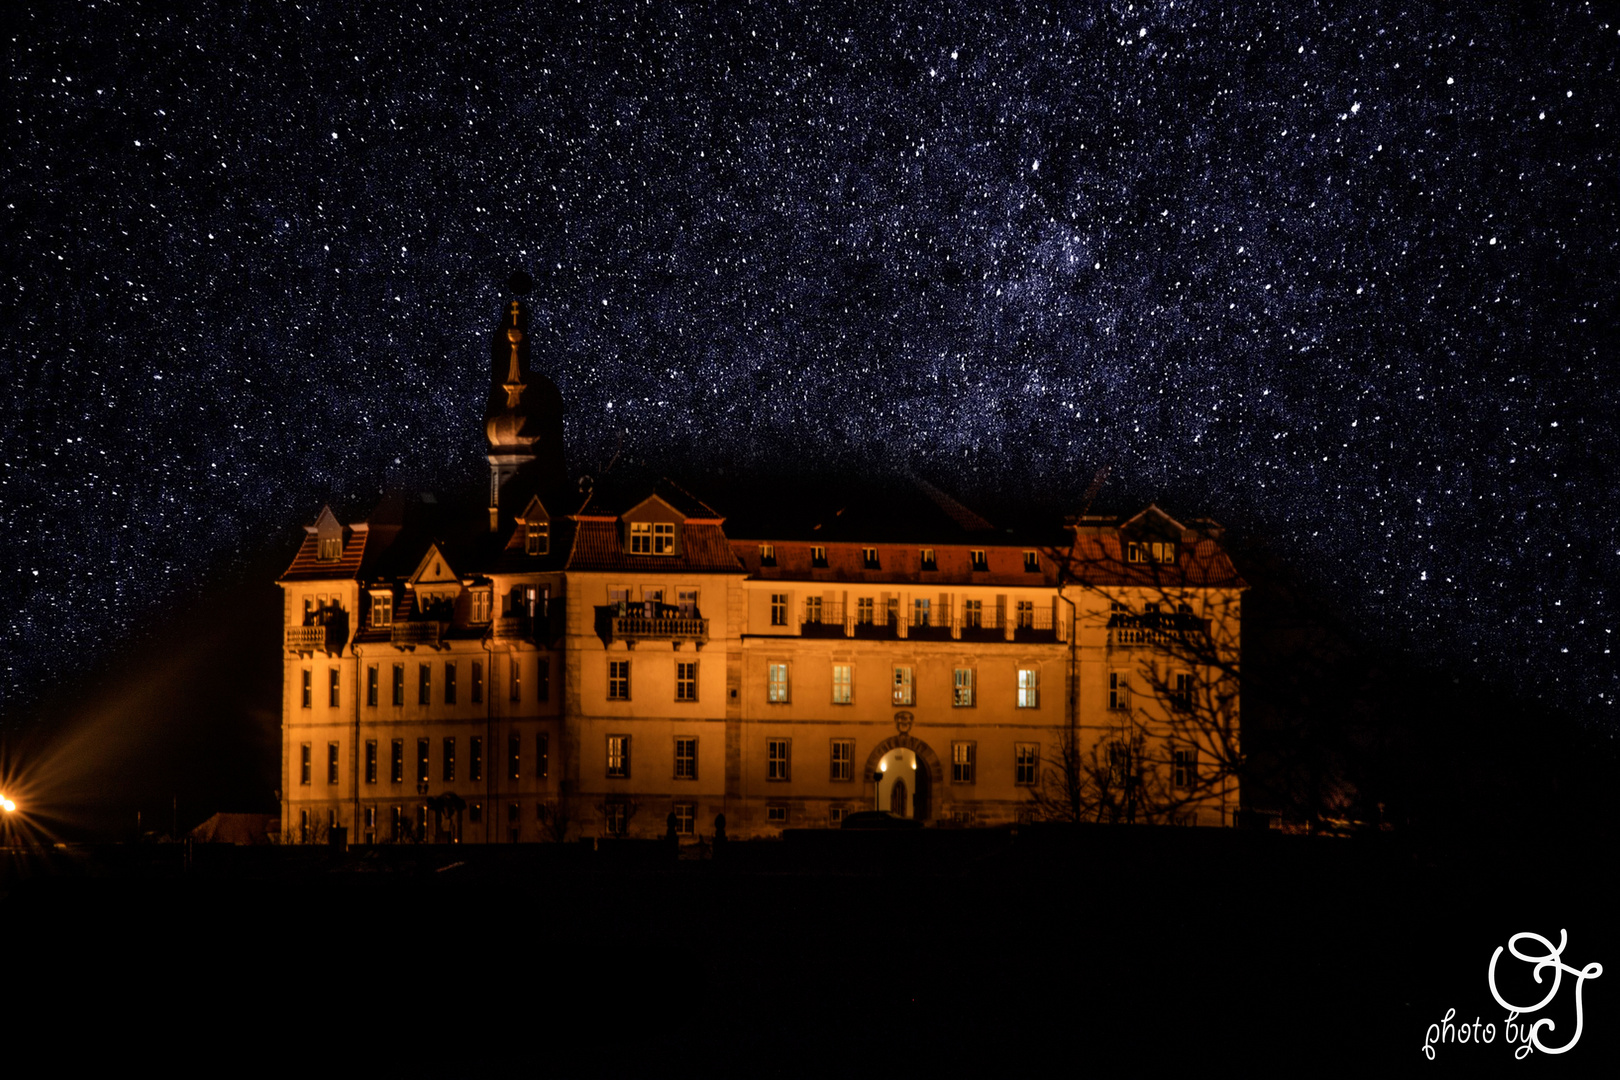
{"x": 481, "y": 605}
{"x": 869, "y": 558}
{"x": 928, "y": 560}
{"x": 382, "y": 609}
{"x": 331, "y": 548}
{"x": 1032, "y": 562}
{"x": 537, "y": 538}
{"x": 1156, "y": 551}
{"x": 818, "y": 557}
{"x": 663, "y": 538}
{"x": 981, "y": 561}
{"x": 641, "y": 538}
{"x": 767, "y": 554}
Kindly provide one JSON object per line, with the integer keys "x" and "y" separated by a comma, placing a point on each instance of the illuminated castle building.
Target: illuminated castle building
{"x": 602, "y": 658}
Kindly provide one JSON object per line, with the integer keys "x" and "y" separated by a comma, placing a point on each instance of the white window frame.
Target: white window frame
{"x": 618, "y": 757}
{"x": 776, "y": 683}
{"x": 843, "y": 684}
{"x": 962, "y": 687}
{"x": 905, "y": 684}
{"x": 618, "y": 680}
{"x": 1029, "y": 687}
{"x": 641, "y": 535}
{"x": 778, "y": 760}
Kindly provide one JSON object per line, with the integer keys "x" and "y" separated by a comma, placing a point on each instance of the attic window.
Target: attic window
{"x": 382, "y": 609}
{"x": 641, "y": 538}
{"x": 818, "y": 557}
{"x": 663, "y": 538}
{"x": 537, "y": 538}
{"x": 869, "y": 557}
{"x": 331, "y": 548}
{"x": 1157, "y": 551}
{"x": 980, "y": 560}
{"x": 767, "y": 555}
{"x": 928, "y": 560}
{"x": 1032, "y": 562}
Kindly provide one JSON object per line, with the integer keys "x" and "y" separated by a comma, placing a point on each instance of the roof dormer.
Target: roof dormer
{"x": 653, "y": 527}
{"x": 535, "y": 526}
{"x": 328, "y": 536}
{"x": 1151, "y": 537}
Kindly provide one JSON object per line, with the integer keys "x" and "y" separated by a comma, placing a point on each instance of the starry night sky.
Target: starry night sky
{"x": 1342, "y": 276}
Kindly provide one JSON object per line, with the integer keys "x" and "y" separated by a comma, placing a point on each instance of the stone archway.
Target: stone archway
{"x": 931, "y": 781}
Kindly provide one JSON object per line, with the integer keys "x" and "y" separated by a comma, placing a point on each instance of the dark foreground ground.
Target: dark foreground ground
{"x": 1031, "y": 954}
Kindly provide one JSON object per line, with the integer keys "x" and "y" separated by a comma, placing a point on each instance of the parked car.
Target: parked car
{"x": 879, "y": 819}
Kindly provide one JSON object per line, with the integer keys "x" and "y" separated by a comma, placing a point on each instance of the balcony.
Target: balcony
{"x": 1036, "y": 626}
{"x": 309, "y": 639}
{"x": 631, "y": 623}
{"x": 878, "y": 628}
{"x": 408, "y": 635}
{"x": 1153, "y": 631}
{"x": 824, "y": 620}
{"x": 982, "y": 625}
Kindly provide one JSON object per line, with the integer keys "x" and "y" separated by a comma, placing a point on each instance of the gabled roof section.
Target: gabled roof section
{"x": 326, "y": 524}
{"x": 434, "y": 569}
{"x": 535, "y": 512}
{"x": 704, "y": 549}
{"x": 654, "y": 500}
{"x": 1152, "y": 519}
{"x": 308, "y": 565}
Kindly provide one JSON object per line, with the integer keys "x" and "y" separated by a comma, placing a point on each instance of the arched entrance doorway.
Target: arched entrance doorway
{"x": 904, "y": 773}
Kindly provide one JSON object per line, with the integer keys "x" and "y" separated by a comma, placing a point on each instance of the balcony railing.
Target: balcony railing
{"x": 650, "y": 622}
{"x": 822, "y": 619}
{"x": 1036, "y": 625}
{"x": 306, "y": 638}
{"x": 1155, "y": 631}
{"x": 408, "y": 635}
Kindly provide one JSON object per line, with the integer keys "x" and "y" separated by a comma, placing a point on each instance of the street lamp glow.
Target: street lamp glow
{"x": 7, "y": 805}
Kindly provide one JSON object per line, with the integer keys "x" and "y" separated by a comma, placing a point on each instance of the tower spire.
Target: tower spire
{"x": 523, "y": 418}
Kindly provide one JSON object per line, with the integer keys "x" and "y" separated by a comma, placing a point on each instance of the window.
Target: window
{"x": 812, "y": 609}
{"x": 962, "y": 755}
{"x": 863, "y": 611}
{"x": 618, "y": 680}
{"x": 903, "y": 694}
{"x": 371, "y": 685}
{"x": 685, "y": 758}
{"x": 514, "y": 677}
{"x": 1119, "y": 690}
{"x": 542, "y": 755}
{"x": 382, "y": 609}
{"x": 616, "y": 817}
{"x": 926, "y": 558}
{"x": 869, "y": 558}
{"x": 843, "y": 759}
{"x": 685, "y": 680}
{"x": 1026, "y": 762}
{"x": 371, "y": 824}
{"x": 767, "y": 555}
{"x": 776, "y": 815}
{"x": 475, "y": 813}
{"x": 331, "y": 548}
{"x": 641, "y": 538}
{"x": 537, "y": 538}
{"x": 542, "y": 679}
{"x": 481, "y": 605}
{"x": 331, "y": 763}
{"x": 835, "y": 816}
{"x": 424, "y": 684}
{"x": 396, "y": 823}
{"x": 1117, "y": 607}
{"x": 973, "y": 613}
{"x": 514, "y": 756}
{"x": 371, "y": 761}
{"x": 843, "y": 692}
{"x": 1185, "y": 768}
{"x": 1163, "y": 552}
{"x": 303, "y": 773}
{"x": 776, "y": 682}
{"x": 309, "y": 688}
{"x": 1032, "y": 562}
{"x": 1181, "y": 690}
{"x": 1156, "y": 551}
{"x": 449, "y": 682}
{"x": 962, "y": 694}
{"x": 920, "y": 612}
{"x": 685, "y": 819}
{"x": 1029, "y": 688}
{"x": 779, "y": 604}
{"x": 778, "y": 757}
{"x": 1135, "y": 552}
{"x": 333, "y": 681}
{"x": 475, "y": 758}
{"x": 399, "y": 684}
{"x": 396, "y": 764}
{"x": 478, "y": 682}
{"x": 421, "y": 761}
{"x": 978, "y": 561}
{"x": 1025, "y": 613}
{"x": 618, "y": 756}
{"x": 1119, "y": 763}
{"x": 449, "y": 759}
{"x": 663, "y": 538}
{"x": 818, "y": 557}
{"x": 686, "y": 601}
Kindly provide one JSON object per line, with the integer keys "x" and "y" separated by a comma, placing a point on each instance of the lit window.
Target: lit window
{"x": 1032, "y": 562}
{"x": 663, "y": 539}
{"x": 812, "y": 609}
{"x": 685, "y": 819}
{"x": 903, "y": 690}
{"x": 478, "y": 682}
{"x": 641, "y": 538}
{"x": 481, "y": 605}
{"x": 1026, "y": 762}
{"x": 382, "y": 609}
{"x": 979, "y": 560}
{"x": 618, "y": 680}
{"x": 863, "y": 611}
{"x": 331, "y": 548}
{"x": 331, "y": 763}
{"x": 842, "y": 689}
{"x": 869, "y": 557}
{"x": 309, "y": 688}
{"x": 843, "y": 759}
{"x": 399, "y": 684}
{"x": 686, "y": 758}
{"x": 1119, "y": 690}
{"x": 767, "y": 555}
{"x": 371, "y": 761}
{"x": 779, "y": 604}
{"x": 818, "y": 557}
{"x": 449, "y": 759}
{"x": 685, "y": 680}
{"x": 776, "y": 682}
{"x": 778, "y": 753}
{"x": 537, "y": 538}
{"x": 514, "y": 675}
{"x": 449, "y": 682}
{"x": 475, "y": 758}
{"x": 1029, "y": 688}
{"x": 1164, "y": 552}
{"x": 926, "y": 557}
{"x": 618, "y": 756}
{"x": 422, "y": 760}
{"x": 1135, "y": 552}
{"x": 333, "y": 681}
{"x": 514, "y": 756}
{"x": 424, "y": 684}
{"x": 396, "y": 763}
{"x": 1185, "y": 768}
{"x": 371, "y": 685}
{"x": 962, "y": 756}
{"x": 963, "y": 687}
{"x": 304, "y": 767}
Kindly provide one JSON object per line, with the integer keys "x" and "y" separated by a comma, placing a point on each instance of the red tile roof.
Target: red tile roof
{"x": 308, "y": 566}
{"x": 1100, "y": 560}
{"x": 704, "y": 549}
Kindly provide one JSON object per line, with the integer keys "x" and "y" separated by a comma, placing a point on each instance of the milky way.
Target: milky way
{"x": 1341, "y": 276}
